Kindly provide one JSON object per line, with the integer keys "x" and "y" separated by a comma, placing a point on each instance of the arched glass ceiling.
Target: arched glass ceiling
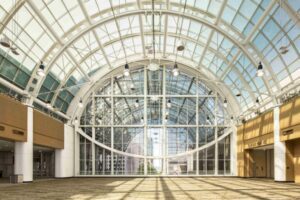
{"x": 76, "y": 39}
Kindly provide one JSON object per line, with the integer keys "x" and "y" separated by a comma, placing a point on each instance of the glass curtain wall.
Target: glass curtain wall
{"x": 154, "y": 123}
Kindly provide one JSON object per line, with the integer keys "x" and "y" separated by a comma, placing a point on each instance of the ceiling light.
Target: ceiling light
{"x": 14, "y": 50}
{"x": 41, "y": 70}
{"x": 153, "y": 66}
{"x": 132, "y": 86}
{"x": 48, "y": 104}
{"x": 166, "y": 119}
{"x": 80, "y": 103}
{"x": 175, "y": 70}
{"x": 99, "y": 119}
{"x": 207, "y": 119}
{"x": 260, "y": 71}
{"x": 169, "y": 105}
{"x": 76, "y": 120}
{"x": 225, "y": 103}
{"x": 283, "y": 49}
{"x": 142, "y": 119}
{"x": 126, "y": 70}
{"x": 5, "y": 42}
{"x": 257, "y": 102}
{"x": 136, "y": 104}
{"x": 180, "y": 45}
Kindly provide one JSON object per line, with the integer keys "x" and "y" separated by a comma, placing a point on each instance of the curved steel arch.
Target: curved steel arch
{"x": 186, "y": 38}
{"x": 101, "y": 76}
{"x": 167, "y": 12}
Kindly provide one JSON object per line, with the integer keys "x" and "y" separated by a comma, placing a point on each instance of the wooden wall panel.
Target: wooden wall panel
{"x": 296, "y": 112}
{"x": 285, "y": 115}
{"x": 289, "y": 161}
{"x": 267, "y": 124}
{"x": 297, "y": 160}
{"x": 47, "y": 131}
{"x": 240, "y": 150}
{"x": 13, "y": 119}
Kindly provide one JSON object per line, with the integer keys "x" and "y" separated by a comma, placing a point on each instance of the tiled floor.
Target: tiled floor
{"x": 151, "y": 188}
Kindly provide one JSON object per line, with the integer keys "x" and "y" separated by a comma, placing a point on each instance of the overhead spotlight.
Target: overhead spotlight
{"x": 169, "y": 105}
{"x": 142, "y": 119}
{"x": 260, "y": 70}
{"x": 5, "y": 41}
{"x": 231, "y": 119}
{"x": 136, "y": 104}
{"x": 76, "y": 120}
{"x": 126, "y": 70}
{"x": 41, "y": 70}
{"x": 175, "y": 70}
{"x": 180, "y": 45}
{"x": 225, "y": 103}
{"x": 80, "y": 103}
{"x": 48, "y": 104}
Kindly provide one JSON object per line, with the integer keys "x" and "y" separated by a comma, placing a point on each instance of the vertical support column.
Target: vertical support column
{"x": 197, "y": 127}
{"x": 216, "y": 136}
{"x": 24, "y": 151}
{"x": 145, "y": 121}
{"x": 164, "y": 123}
{"x": 93, "y": 134}
{"x": 233, "y": 151}
{"x": 77, "y": 151}
{"x": 112, "y": 122}
{"x": 64, "y": 158}
{"x": 279, "y": 150}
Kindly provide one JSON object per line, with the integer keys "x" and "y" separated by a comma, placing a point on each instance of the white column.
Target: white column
{"x": 233, "y": 151}
{"x": 76, "y": 152}
{"x": 24, "y": 151}
{"x": 64, "y": 158}
{"x": 279, "y": 150}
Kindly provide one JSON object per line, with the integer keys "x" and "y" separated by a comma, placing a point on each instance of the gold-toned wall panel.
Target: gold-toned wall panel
{"x": 13, "y": 119}
{"x": 290, "y": 114}
{"x": 263, "y": 140}
{"x": 47, "y": 131}
{"x": 297, "y": 160}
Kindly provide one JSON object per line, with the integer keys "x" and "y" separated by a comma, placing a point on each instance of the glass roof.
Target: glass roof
{"x": 77, "y": 39}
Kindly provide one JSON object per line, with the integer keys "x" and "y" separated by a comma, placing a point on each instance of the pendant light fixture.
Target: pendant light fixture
{"x": 126, "y": 70}
{"x": 207, "y": 119}
{"x": 153, "y": 65}
{"x": 142, "y": 119}
{"x": 169, "y": 105}
{"x": 225, "y": 104}
{"x": 80, "y": 103}
{"x": 76, "y": 120}
{"x": 48, "y": 104}
{"x": 283, "y": 49}
{"x": 260, "y": 70}
{"x": 136, "y": 104}
{"x": 5, "y": 41}
{"x": 175, "y": 70}
{"x": 41, "y": 70}
{"x": 257, "y": 102}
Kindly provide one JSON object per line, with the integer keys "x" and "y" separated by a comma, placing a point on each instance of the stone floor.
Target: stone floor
{"x": 151, "y": 188}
